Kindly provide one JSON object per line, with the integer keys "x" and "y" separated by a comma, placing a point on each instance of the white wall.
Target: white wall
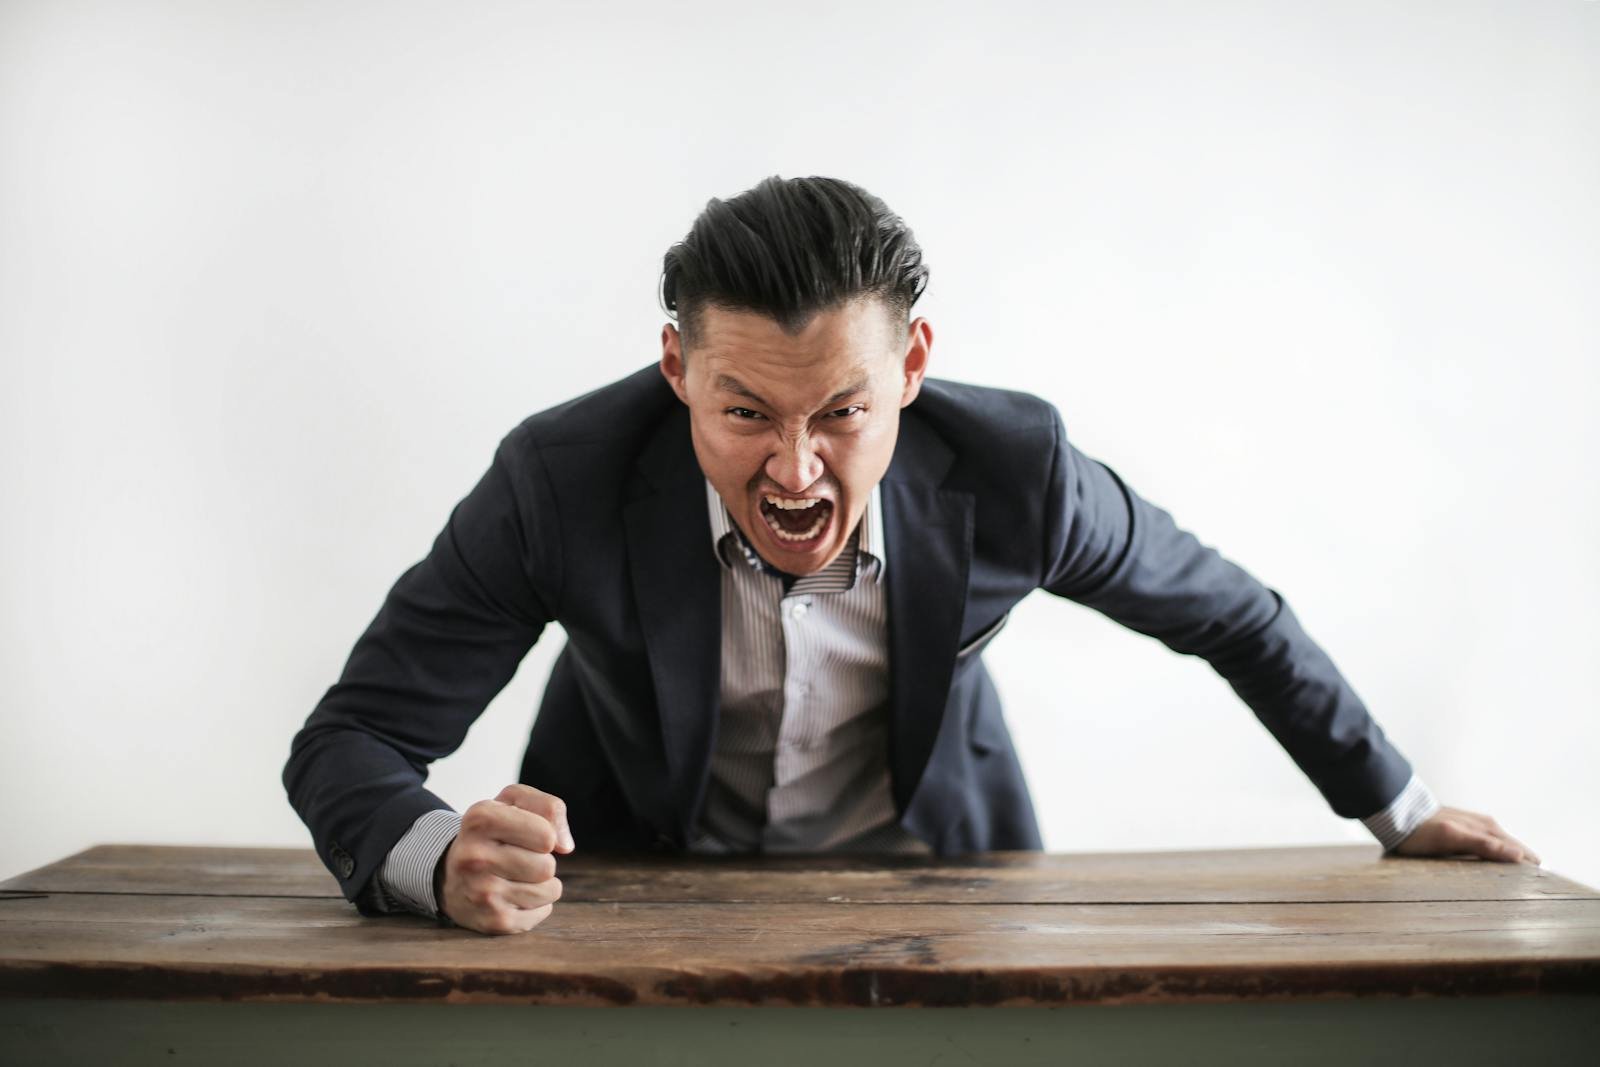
{"x": 1317, "y": 278}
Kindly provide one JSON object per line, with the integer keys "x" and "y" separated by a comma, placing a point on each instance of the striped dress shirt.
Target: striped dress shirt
{"x": 801, "y": 756}
{"x": 801, "y": 761}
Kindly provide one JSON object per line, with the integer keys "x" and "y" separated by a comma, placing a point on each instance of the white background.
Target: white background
{"x": 1319, "y": 279}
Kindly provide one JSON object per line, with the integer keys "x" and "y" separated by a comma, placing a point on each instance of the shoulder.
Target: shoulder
{"x": 584, "y": 459}
{"x": 617, "y": 414}
{"x": 1000, "y": 447}
{"x": 985, "y": 427}
{"x": 600, "y": 434}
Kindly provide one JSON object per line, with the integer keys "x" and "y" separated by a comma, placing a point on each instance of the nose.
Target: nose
{"x": 795, "y": 466}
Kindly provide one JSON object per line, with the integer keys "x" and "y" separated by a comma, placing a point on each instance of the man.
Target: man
{"x": 777, "y": 557}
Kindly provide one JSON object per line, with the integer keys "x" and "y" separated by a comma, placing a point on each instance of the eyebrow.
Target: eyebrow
{"x": 728, "y": 383}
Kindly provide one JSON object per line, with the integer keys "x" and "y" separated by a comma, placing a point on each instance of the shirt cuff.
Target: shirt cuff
{"x": 405, "y": 881}
{"x": 1414, "y": 806}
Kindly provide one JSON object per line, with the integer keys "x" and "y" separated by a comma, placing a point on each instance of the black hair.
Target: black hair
{"x": 788, "y": 248}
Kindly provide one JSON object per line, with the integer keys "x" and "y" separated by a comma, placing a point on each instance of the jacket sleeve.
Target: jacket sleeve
{"x": 448, "y": 637}
{"x": 1110, "y": 550}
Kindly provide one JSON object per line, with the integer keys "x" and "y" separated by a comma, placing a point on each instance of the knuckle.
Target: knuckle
{"x": 477, "y": 818}
{"x": 535, "y": 835}
{"x": 530, "y": 832}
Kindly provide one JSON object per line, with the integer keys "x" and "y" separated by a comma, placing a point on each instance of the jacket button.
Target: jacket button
{"x": 342, "y": 861}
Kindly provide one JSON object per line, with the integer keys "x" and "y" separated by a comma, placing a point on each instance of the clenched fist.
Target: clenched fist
{"x": 499, "y": 874}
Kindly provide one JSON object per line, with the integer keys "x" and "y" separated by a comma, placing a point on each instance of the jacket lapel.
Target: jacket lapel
{"x": 929, "y": 544}
{"x": 678, "y": 590}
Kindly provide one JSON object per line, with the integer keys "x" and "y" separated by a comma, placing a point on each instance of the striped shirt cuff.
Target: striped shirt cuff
{"x": 1414, "y": 806}
{"x": 405, "y": 881}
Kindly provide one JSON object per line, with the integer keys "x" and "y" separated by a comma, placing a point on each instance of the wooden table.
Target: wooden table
{"x": 146, "y": 953}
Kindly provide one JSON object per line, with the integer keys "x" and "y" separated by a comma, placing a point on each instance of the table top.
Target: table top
{"x": 1011, "y": 928}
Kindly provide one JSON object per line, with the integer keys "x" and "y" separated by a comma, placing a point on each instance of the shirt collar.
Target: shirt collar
{"x": 727, "y": 539}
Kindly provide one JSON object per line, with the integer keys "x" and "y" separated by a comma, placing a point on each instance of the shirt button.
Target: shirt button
{"x": 798, "y": 611}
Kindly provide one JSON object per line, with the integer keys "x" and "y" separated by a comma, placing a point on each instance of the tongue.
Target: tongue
{"x": 798, "y": 520}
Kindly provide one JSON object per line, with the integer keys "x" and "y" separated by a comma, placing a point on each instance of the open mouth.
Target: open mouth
{"x": 796, "y": 523}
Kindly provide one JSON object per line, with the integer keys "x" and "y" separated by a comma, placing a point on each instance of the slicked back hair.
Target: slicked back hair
{"x": 788, "y": 248}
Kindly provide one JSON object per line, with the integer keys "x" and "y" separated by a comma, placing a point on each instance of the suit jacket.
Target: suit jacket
{"x": 592, "y": 514}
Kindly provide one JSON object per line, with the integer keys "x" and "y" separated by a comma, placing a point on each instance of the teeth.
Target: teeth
{"x": 804, "y": 535}
{"x": 792, "y": 505}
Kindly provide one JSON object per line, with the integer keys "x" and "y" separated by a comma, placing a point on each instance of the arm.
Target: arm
{"x": 1410, "y": 809}
{"x": 1112, "y": 551}
{"x": 449, "y": 636}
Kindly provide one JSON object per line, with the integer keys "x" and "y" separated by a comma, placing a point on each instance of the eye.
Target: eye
{"x": 745, "y": 413}
{"x": 845, "y": 413}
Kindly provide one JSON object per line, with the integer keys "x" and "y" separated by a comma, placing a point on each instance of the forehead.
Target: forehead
{"x": 837, "y": 348}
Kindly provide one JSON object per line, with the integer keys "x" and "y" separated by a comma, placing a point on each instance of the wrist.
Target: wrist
{"x": 438, "y": 885}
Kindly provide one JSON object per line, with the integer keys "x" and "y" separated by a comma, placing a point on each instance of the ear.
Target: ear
{"x": 919, "y": 343}
{"x": 673, "y": 367}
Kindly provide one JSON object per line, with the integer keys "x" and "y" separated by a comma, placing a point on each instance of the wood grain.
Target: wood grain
{"x": 827, "y": 930}
{"x": 1317, "y": 873}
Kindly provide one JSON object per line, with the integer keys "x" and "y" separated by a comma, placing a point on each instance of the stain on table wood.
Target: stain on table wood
{"x": 998, "y": 928}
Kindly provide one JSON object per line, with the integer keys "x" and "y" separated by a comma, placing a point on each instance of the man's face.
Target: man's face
{"x": 794, "y": 431}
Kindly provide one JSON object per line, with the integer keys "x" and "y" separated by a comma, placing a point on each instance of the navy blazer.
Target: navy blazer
{"x": 592, "y": 514}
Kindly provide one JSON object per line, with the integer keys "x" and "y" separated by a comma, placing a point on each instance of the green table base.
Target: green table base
{"x": 1455, "y": 1031}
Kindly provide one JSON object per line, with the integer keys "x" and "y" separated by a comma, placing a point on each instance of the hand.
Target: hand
{"x": 1450, "y": 831}
{"x": 499, "y": 874}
